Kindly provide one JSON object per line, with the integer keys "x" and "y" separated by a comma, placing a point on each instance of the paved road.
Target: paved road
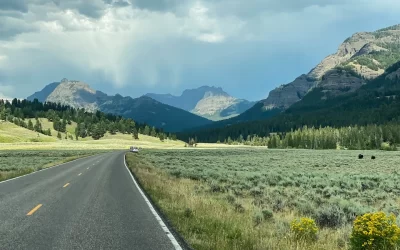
{"x": 91, "y": 203}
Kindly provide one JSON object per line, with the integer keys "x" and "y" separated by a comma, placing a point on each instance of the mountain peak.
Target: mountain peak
{"x": 205, "y": 91}
{"x": 76, "y": 94}
{"x": 208, "y": 101}
{"x": 75, "y": 86}
{"x": 367, "y": 54}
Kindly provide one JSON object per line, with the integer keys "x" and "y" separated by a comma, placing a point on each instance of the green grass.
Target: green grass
{"x": 46, "y": 124}
{"x": 217, "y": 198}
{"x": 13, "y": 137}
{"x": 11, "y": 133}
{"x": 17, "y": 163}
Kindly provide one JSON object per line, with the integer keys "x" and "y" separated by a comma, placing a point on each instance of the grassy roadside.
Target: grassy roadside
{"x": 29, "y": 162}
{"x": 209, "y": 220}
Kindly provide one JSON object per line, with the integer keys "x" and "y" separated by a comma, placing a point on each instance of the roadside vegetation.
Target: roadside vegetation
{"x": 274, "y": 199}
{"x": 17, "y": 163}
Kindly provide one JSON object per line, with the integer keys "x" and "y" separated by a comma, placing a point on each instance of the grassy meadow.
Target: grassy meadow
{"x": 23, "y": 151}
{"x": 246, "y": 198}
{"x": 13, "y": 137}
{"x": 16, "y": 163}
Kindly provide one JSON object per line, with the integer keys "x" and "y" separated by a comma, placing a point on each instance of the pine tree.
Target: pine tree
{"x": 38, "y": 126}
{"x": 63, "y": 127}
{"x": 240, "y": 140}
{"x": 30, "y": 125}
{"x": 112, "y": 128}
{"x": 135, "y": 134}
{"x": 146, "y": 130}
{"x": 56, "y": 124}
{"x": 97, "y": 132}
{"x": 3, "y": 115}
{"x": 161, "y": 136}
{"x": 153, "y": 132}
{"x": 59, "y": 135}
{"x": 81, "y": 131}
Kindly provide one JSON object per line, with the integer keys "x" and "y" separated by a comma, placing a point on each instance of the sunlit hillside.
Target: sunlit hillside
{"x": 15, "y": 137}
{"x": 11, "y": 133}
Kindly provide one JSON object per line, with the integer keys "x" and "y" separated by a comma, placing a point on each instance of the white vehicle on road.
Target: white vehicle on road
{"x": 134, "y": 149}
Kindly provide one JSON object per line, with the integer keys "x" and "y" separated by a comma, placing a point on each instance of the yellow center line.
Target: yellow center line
{"x": 34, "y": 210}
{"x": 79, "y": 174}
{"x": 66, "y": 185}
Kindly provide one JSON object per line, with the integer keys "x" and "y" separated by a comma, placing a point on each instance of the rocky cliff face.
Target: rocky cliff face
{"x": 211, "y": 104}
{"x": 367, "y": 54}
{"x": 349, "y": 48}
{"x": 338, "y": 81}
{"x": 76, "y": 94}
{"x": 285, "y": 95}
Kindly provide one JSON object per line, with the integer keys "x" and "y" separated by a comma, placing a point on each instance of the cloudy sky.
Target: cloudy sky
{"x": 133, "y": 47}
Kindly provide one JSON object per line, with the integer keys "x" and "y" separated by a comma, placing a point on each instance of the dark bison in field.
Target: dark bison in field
{"x": 373, "y": 157}
{"x": 360, "y": 156}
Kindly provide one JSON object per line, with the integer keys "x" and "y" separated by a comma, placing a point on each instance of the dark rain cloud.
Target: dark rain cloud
{"x": 158, "y": 5}
{"x": 236, "y": 7}
{"x": 117, "y": 3}
{"x": 90, "y": 8}
{"x": 10, "y": 27}
{"x": 16, "y": 5}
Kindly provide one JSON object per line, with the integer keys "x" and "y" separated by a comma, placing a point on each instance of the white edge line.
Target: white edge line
{"x": 45, "y": 169}
{"x": 160, "y": 221}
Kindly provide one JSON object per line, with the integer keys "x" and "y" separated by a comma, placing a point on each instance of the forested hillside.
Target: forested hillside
{"x": 376, "y": 102}
{"x": 95, "y": 125}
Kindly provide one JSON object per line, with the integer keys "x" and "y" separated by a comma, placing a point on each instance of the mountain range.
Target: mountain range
{"x": 144, "y": 109}
{"x": 209, "y": 102}
{"x": 375, "y": 102}
{"x": 360, "y": 58}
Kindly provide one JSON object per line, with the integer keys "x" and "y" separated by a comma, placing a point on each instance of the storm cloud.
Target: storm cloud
{"x": 139, "y": 46}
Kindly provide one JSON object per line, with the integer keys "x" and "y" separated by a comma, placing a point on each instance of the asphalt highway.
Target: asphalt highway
{"x": 90, "y": 203}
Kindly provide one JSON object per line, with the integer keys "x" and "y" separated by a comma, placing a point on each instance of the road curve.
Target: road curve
{"x": 91, "y": 203}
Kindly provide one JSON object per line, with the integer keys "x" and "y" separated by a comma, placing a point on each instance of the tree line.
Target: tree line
{"x": 383, "y": 137}
{"x": 95, "y": 125}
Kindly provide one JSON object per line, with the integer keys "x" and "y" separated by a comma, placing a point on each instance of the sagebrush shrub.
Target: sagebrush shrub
{"x": 304, "y": 229}
{"x": 375, "y": 231}
{"x": 330, "y": 216}
{"x": 267, "y": 214}
{"x": 258, "y": 218}
{"x": 231, "y": 199}
{"x": 239, "y": 208}
{"x": 188, "y": 213}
